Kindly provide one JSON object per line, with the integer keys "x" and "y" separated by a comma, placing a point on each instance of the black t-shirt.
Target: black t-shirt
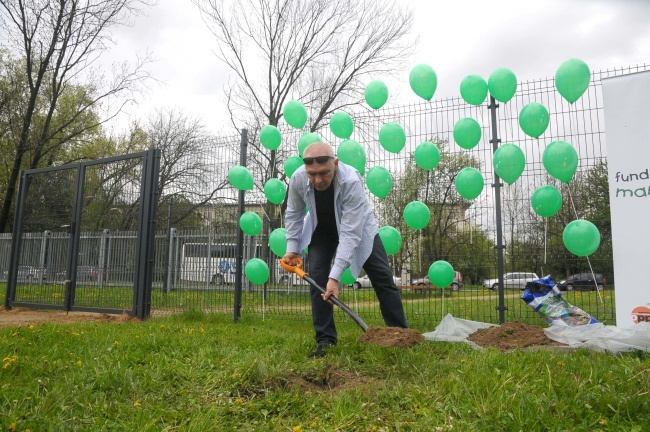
{"x": 326, "y": 227}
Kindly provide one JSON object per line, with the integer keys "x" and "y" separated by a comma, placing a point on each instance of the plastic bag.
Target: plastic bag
{"x": 545, "y": 298}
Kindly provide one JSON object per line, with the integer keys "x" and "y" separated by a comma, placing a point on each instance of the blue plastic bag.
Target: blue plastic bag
{"x": 545, "y": 298}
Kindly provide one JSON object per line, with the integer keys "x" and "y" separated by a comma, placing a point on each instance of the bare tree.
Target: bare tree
{"x": 60, "y": 41}
{"x": 318, "y": 51}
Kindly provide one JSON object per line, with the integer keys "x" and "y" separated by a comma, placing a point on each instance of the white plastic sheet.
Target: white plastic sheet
{"x": 598, "y": 337}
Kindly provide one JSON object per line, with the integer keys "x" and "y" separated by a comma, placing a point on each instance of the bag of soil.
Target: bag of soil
{"x": 545, "y": 298}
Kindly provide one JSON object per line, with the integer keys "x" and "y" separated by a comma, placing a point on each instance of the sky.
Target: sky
{"x": 457, "y": 38}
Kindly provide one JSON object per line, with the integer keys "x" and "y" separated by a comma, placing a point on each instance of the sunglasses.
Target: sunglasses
{"x": 318, "y": 159}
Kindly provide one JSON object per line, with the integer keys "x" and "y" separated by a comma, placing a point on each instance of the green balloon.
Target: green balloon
{"x": 572, "y": 79}
{"x": 292, "y": 164}
{"x": 417, "y": 214}
{"x": 257, "y": 271}
{"x": 469, "y": 183}
{"x": 509, "y": 162}
{"x": 341, "y": 124}
{"x": 424, "y": 81}
{"x": 502, "y": 84}
{"x": 392, "y": 137}
{"x": 295, "y": 114}
{"x": 271, "y": 137}
{"x": 307, "y": 139}
{"x": 427, "y": 155}
{"x": 467, "y": 133}
{"x": 474, "y": 89}
{"x": 347, "y": 278}
{"x": 534, "y": 119}
{"x": 391, "y": 238}
{"x": 441, "y": 274}
{"x": 250, "y": 223}
{"x": 376, "y": 94}
{"x": 241, "y": 178}
{"x": 352, "y": 153}
{"x": 546, "y": 201}
{"x": 561, "y": 160}
{"x": 581, "y": 237}
{"x": 379, "y": 181}
{"x": 278, "y": 241}
{"x": 275, "y": 190}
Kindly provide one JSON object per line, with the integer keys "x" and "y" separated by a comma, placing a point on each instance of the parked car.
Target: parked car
{"x": 425, "y": 283}
{"x": 84, "y": 274}
{"x": 513, "y": 280}
{"x": 26, "y": 273}
{"x": 582, "y": 281}
{"x": 364, "y": 282}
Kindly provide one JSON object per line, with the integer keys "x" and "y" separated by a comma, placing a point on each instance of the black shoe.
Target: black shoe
{"x": 321, "y": 351}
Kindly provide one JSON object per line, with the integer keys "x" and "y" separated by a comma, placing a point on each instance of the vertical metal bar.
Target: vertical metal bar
{"x": 16, "y": 241}
{"x": 240, "y": 234}
{"x": 497, "y": 205}
{"x": 168, "y": 248}
{"x": 103, "y": 247}
{"x": 75, "y": 233}
{"x": 169, "y": 276}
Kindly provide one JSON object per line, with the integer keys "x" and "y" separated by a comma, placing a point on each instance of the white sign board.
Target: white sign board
{"x": 627, "y": 131}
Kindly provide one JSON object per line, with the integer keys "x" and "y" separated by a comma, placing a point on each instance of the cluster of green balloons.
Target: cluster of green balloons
{"x": 441, "y": 274}
{"x": 467, "y": 133}
{"x": 257, "y": 271}
{"x": 352, "y": 153}
{"x": 423, "y": 81}
{"x": 469, "y": 183}
{"x": 241, "y": 178}
{"x": 347, "y": 278}
{"x": 391, "y": 238}
{"x": 392, "y": 137}
{"x": 509, "y": 162}
{"x": 379, "y": 181}
{"x": 581, "y": 237}
{"x": 572, "y": 79}
{"x": 417, "y": 214}
{"x": 295, "y": 114}
{"x": 250, "y": 223}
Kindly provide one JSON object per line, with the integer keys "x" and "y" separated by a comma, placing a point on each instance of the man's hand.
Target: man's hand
{"x": 291, "y": 258}
{"x": 332, "y": 289}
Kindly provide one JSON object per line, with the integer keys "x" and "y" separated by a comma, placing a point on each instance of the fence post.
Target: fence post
{"x": 103, "y": 246}
{"x": 171, "y": 260}
{"x": 240, "y": 234}
{"x": 43, "y": 256}
{"x": 497, "y": 206}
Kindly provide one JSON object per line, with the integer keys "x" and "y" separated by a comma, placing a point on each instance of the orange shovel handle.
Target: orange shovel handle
{"x": 297, "y": 269}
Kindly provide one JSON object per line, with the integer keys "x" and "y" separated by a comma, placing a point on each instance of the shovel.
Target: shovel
{"x": 297, "y": 269}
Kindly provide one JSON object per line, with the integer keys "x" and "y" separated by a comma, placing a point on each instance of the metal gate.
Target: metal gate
{"x": 97, "y": 201}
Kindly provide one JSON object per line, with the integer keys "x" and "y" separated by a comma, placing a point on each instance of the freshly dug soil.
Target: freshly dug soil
{"x": 392, "y": 336}
{"x": 512, "y": 335}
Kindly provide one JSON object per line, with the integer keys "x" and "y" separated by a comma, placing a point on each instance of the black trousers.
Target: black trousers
{"x": 320, "y": 256}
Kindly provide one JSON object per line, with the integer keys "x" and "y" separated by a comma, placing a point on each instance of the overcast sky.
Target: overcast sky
{"x": 457, "y": 38}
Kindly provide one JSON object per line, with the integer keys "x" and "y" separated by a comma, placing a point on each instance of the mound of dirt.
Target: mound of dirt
{"x": 392, "y": 336}
{"x": 332, "y": 379}
{"x": 22, "y": 317}
{"x": 512, "y": 335}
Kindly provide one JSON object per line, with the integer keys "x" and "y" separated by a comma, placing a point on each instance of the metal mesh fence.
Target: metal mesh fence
{"x": 197, "y": 217}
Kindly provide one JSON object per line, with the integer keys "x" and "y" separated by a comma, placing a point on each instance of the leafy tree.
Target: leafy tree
{"x": 57, "y": 44}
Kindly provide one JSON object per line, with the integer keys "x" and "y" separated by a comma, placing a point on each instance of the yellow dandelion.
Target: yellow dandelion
{"x": 137, "y": 403}
{"x": 79, "y": 362}
{"x": 297, "y": 428}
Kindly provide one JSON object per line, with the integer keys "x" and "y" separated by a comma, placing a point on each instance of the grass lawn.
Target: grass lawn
{"x": 200, "y": 372}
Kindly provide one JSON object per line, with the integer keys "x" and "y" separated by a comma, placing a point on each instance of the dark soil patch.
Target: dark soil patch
{"x": 332, "y": 379}
{"x": 22, "y": 317}
{"x": 392, "y": 336}
{"x": 512, "y": 335}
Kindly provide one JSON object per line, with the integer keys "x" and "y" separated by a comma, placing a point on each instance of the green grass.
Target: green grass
{"x": 201, "y": 372}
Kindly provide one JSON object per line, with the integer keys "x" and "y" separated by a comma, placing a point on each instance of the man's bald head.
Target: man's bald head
{"x": 319, "y": 149}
